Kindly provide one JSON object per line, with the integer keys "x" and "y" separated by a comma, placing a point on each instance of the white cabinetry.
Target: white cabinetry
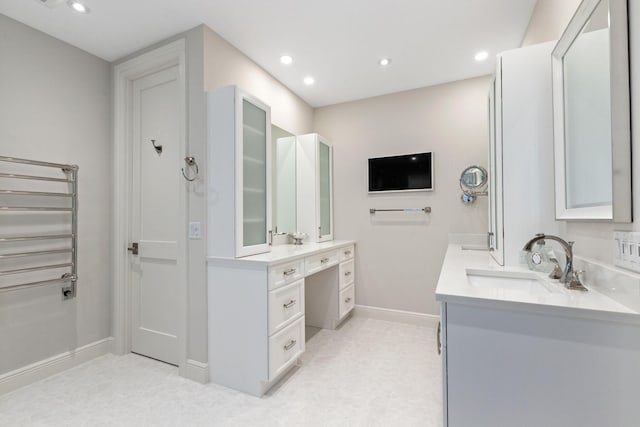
{"x": 314, "y": 187}
{"x": 239, "y": 173}
{"x": 521, "y": 151}
{"x": 506, "y": 367}
{"x": 256, "y": 323}
{"x": 328, "y": 306}
{"x": 258, "y": 307}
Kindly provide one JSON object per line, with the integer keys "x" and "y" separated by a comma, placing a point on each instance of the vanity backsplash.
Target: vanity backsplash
{"x": 619, "y": 285}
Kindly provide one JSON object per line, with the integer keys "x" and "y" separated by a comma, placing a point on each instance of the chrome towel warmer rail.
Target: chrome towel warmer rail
{"x": 68, "y": 279}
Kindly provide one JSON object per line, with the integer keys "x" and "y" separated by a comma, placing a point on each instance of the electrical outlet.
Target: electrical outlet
{"x": 195, "y": 232}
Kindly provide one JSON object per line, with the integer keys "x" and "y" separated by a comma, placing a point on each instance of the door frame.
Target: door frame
{"x": 124, "y": 75}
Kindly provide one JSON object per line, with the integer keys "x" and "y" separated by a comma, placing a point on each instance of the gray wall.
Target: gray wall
{"x": 548, "y": 21}
{"x": 399, "y": 255}
{"x": 54, "y": 106}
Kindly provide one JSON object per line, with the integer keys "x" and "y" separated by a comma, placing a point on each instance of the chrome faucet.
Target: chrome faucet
{"x": 569, "y": 277}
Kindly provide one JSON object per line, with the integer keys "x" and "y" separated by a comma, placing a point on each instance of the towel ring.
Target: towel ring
{"x": 191, "y": 161}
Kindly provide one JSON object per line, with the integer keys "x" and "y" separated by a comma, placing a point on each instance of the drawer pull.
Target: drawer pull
{"x": 289, "y": 304}
{"x": 347, "y": 273}
{"x": 289, "y": 272}
{"x": 347, "y": 253}
{"x": 324, "y": 260}
{"x": 439, "y": 338}
{"x": 348, "y": 300}
{"x": 290, "y": 345}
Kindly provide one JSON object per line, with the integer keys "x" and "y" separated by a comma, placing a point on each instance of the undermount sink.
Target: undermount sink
{"x": 508, "y": 281}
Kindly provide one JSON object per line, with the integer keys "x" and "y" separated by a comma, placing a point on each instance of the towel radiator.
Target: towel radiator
{"x": 68, "y": 279}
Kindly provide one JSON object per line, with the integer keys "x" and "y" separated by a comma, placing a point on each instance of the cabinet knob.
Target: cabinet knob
{"x": 289, "y": 272}
{"x": 290, "y": 345}
{"x": 348, "y": 300}
{"x": 324, "y": 260}
{"x": 347, "y": 273}
{"x": 289, "y": 304}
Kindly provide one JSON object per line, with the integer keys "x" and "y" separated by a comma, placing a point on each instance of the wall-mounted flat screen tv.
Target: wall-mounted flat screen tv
{"x": 410, "y": 172}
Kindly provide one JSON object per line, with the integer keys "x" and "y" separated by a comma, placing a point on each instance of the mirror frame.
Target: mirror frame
{"x": 464, "y": 186}
{"x": 621, "y": 209}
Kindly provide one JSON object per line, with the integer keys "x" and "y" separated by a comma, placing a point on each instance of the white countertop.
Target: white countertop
{"x": 454, "y": 286}
{"x": 284, "y": 253}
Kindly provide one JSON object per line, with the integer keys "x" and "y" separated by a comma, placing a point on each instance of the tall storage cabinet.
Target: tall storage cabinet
{"x": 239, "y": 173}
{"x": 314, "y": 189}
{"x": 521, "y": 151}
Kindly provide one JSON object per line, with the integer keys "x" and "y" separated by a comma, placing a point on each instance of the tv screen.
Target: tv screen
{"x": 410, "y": 172}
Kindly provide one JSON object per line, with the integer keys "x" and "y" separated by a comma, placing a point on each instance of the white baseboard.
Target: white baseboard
{"x": 197, "y": 371}
{"x": 53, "y": 365}
{"x": 397, "y": 315}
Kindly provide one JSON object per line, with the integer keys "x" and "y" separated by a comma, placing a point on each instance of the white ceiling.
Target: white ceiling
{"x": 336, "y": 41}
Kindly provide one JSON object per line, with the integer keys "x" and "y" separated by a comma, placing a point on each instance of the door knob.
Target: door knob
{"x": 133, "y": 248}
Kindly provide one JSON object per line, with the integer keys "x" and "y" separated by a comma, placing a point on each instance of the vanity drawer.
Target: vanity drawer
{"x": 280, "y": 275}
{"x": 346, "y": 253}
{"x": 321, "y": 261}
{"x": 347, "y": 300}
{"x": 285, "y": 303}
{"x": 347, "y": 273}
{"x": 285, "y": 347}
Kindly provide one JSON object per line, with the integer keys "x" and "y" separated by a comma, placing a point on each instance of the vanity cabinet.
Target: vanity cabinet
{"x": 508, "y": 366}
{"x": 314, "y": 187}
{"x": 328, "y": 306}
{"x": 255, "y": 324}
{"x": 239, "y": 173}
{"x": 258, "y": 307}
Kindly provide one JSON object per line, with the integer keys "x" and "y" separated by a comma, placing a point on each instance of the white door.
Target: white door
{"x": 155, "y": 217}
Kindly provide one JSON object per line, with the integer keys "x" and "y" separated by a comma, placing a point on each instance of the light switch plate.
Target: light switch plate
{"x": 626, "y": 249}
{"x": 195, "y": 232}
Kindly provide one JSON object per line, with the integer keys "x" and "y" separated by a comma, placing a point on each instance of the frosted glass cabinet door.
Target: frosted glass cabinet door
{"x": 325, "y": 225}
{"x": 314, "y": 187}
{"x": 239, "y": 173}
{"x": 254, "y": 175}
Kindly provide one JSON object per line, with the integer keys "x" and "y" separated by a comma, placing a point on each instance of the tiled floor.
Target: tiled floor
{"x": 367, "y": 373}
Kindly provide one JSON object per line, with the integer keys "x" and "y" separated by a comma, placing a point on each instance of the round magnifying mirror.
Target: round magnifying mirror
{"x": 473, "y": 177}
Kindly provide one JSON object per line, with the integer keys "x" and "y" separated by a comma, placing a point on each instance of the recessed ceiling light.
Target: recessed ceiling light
{"x": 481, "y": 56}
{"x": 286, "y": 59}
{"x": 78, "y": 6}
{"x": 309, "y": 80}
{"x": 384, "y": 62}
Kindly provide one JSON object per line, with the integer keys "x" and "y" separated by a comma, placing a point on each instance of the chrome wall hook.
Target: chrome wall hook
{"x": 158, "y": 148}
{"x": 190, "y": 161}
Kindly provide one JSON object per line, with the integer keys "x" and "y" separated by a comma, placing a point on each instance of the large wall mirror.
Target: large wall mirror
{"x": 591, "y": 105}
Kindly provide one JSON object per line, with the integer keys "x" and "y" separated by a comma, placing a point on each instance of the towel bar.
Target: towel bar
{"x": 426, "y": 209}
